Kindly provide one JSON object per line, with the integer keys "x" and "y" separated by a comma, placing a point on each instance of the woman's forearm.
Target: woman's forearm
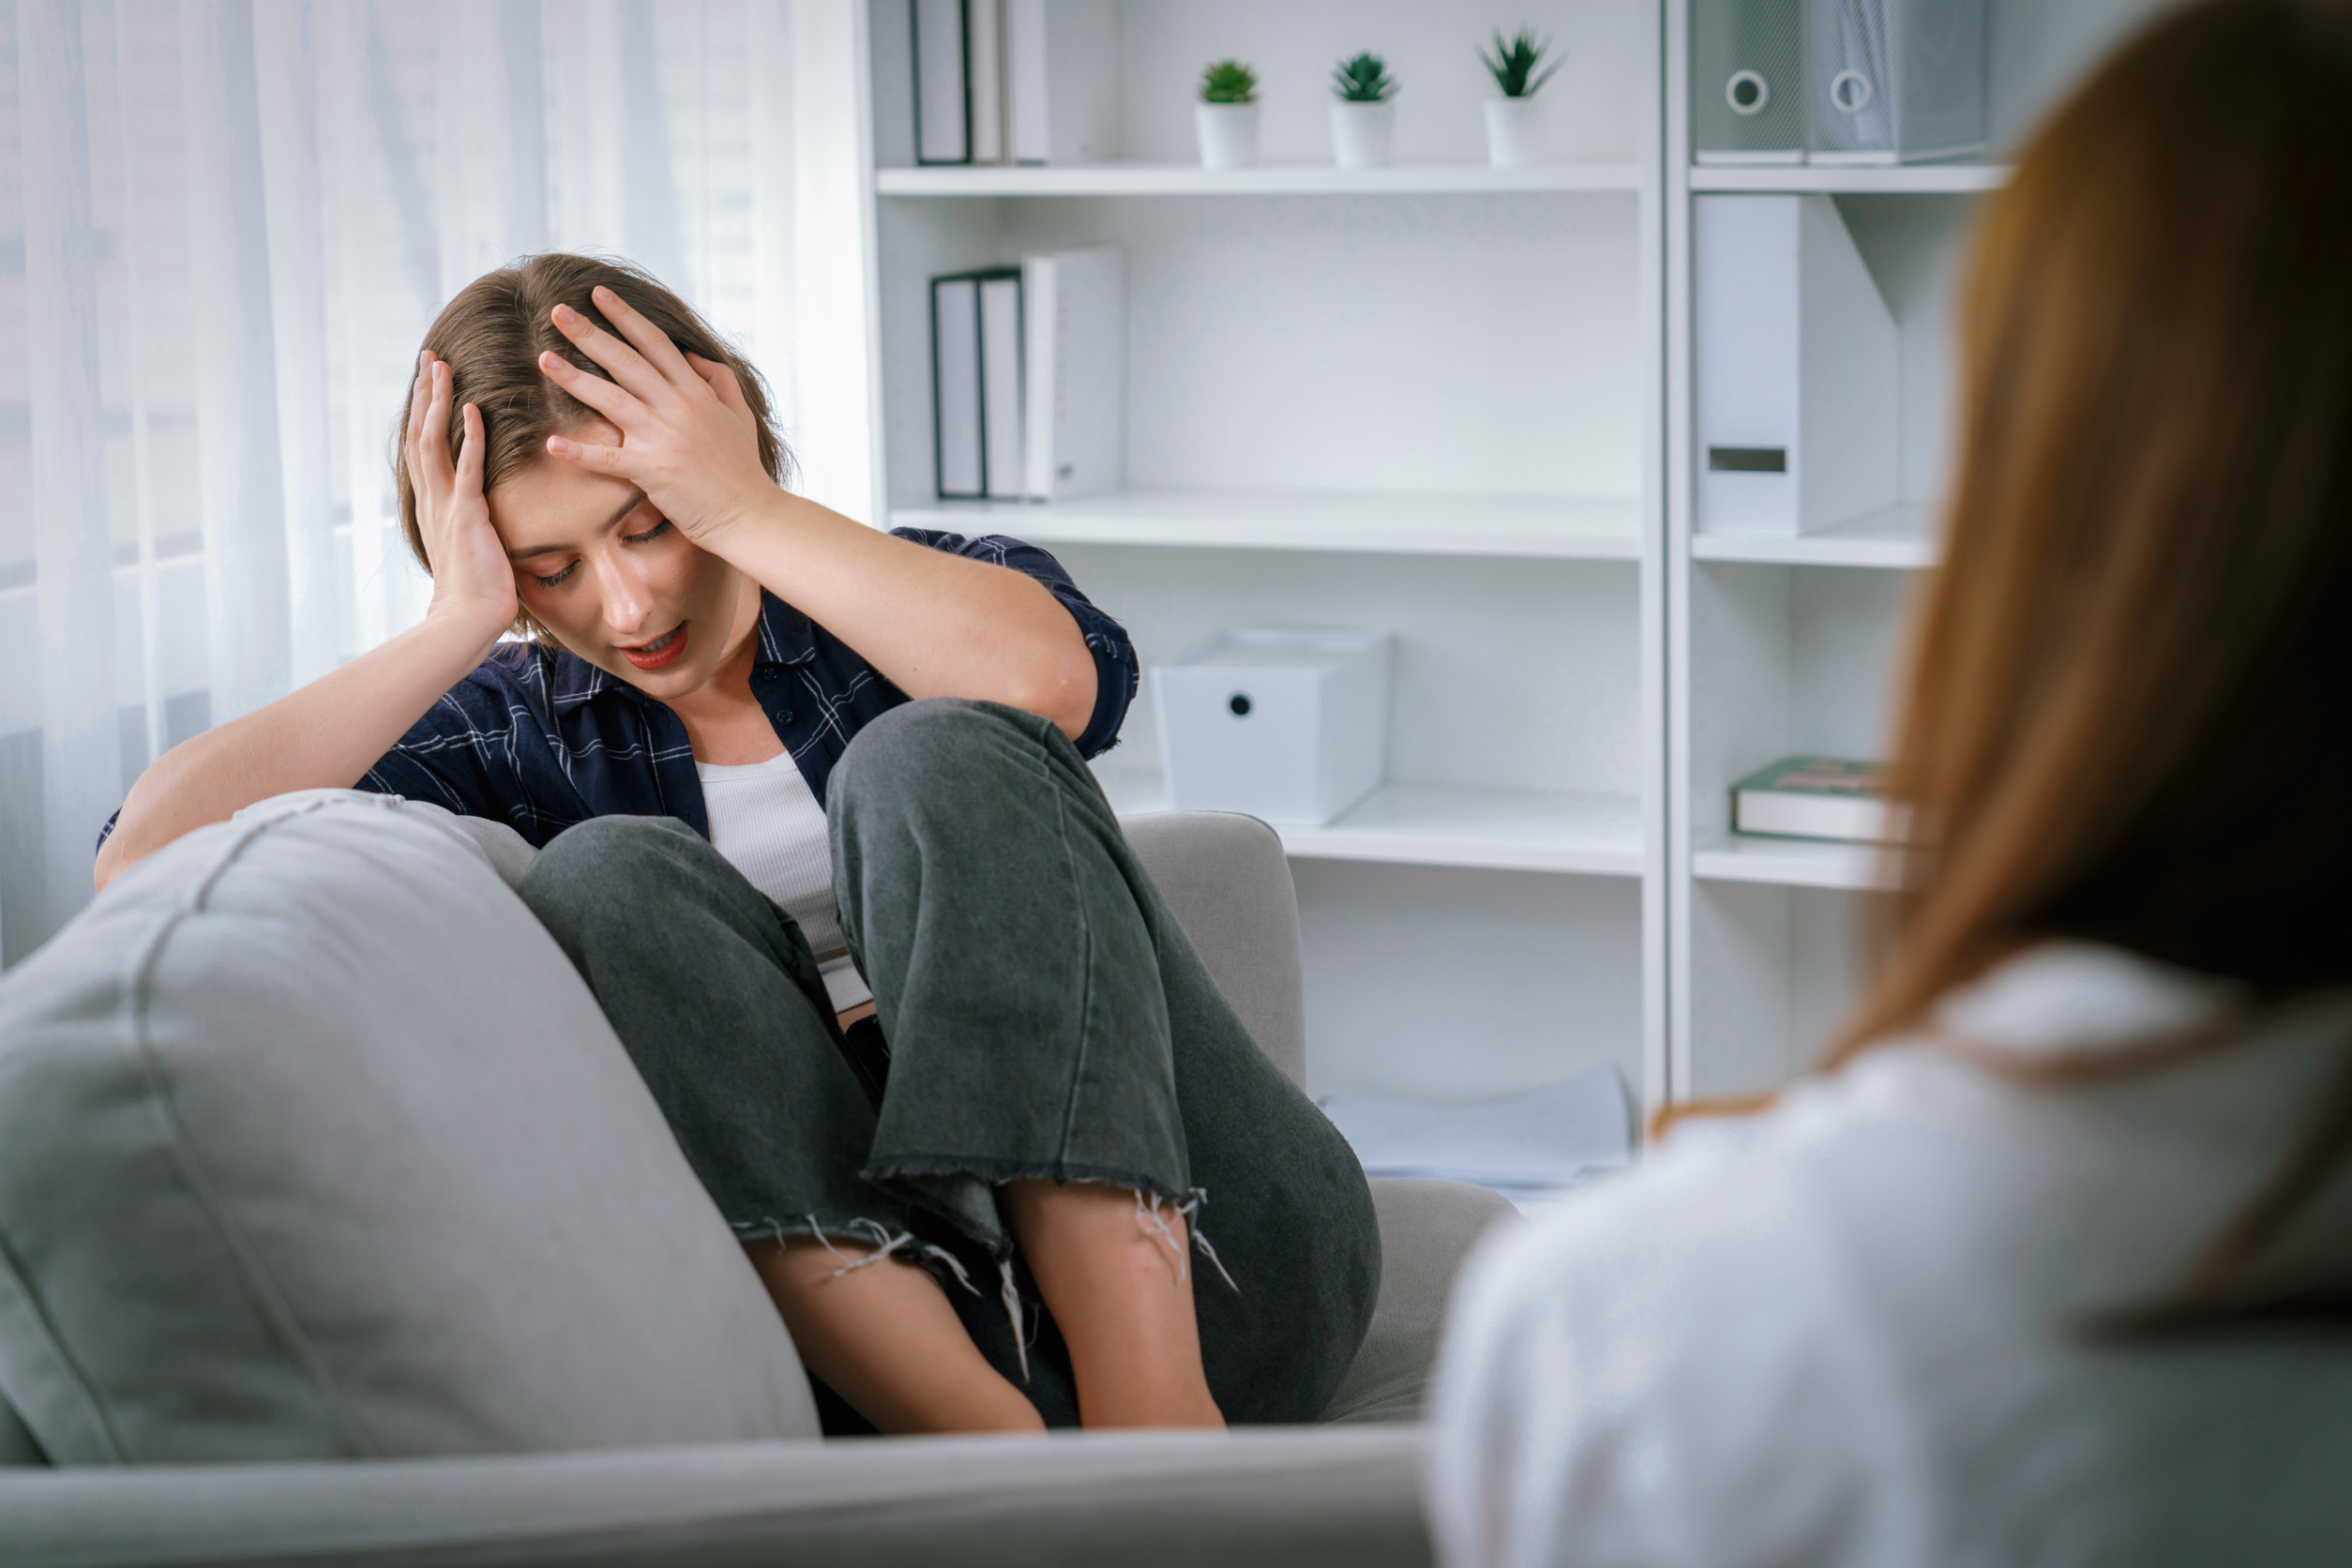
{"x": 326, "y": 735}
{"x": 934, "y": 624}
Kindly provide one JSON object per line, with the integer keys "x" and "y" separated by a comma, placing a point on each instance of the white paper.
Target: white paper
{"x": 1522, "y": 1144}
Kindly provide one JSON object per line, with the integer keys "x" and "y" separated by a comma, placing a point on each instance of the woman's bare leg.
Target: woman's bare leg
{"x": 885, "y": 1338}
{"x": 1121, "y": 1291}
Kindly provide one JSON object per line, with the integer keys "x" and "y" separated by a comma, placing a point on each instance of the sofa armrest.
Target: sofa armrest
{"x": 1266, "y": 1496}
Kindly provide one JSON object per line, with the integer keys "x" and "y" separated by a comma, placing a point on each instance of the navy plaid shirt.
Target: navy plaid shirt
{"x": 539, "y": 738}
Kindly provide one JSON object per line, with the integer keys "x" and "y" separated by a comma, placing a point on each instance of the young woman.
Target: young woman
{"x": 2053, "y": 1262}
{"x": 816, "y": 828}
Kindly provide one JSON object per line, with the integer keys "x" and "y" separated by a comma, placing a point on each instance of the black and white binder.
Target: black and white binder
{"x": 1061, "y": 80}
{"x": 942, "y": 98}
{"x": 984, "y": 40}
{"x": 1796, "y": 360}
{"x": 1748, "y": 80}
{"x": 977, "y": 384}
{"x": 958, "y": 448}
{"x": 1002, "y": 453}
{"x": 1891, "y": 81}
{"x": 1075, "y": 302}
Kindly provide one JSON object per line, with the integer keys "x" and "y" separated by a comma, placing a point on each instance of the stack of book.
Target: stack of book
{"x": 1816, "y": 797}
{"x": 1028, "y": 378}
{"x": 1015, "y": 80}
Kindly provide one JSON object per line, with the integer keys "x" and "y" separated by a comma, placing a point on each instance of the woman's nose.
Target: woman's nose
{"x": 626, "y": 601}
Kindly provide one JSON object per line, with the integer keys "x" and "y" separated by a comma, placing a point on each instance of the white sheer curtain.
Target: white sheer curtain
{"x": 224, "y": 225}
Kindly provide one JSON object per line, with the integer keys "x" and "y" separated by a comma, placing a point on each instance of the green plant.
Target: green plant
{"x": 1229, "y": 82}
{"x": 1513, "y": 63}
{"x": 1363, "y": 80}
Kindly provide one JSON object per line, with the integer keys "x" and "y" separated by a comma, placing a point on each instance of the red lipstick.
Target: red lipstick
{"x": 660, "y": 653}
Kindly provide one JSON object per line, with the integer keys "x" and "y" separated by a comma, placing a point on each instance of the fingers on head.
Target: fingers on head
{"x": 586, "y": 454}
{"x": 470, "y": 450}
{"x": 420, "y": 395}
{"x": 606, "y": 398}
{"x": 649, "y": 341}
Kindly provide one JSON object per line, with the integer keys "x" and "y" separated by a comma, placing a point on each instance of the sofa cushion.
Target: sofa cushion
{"x": 1426, "y": 1229}
{"x": 314, "y": 1145}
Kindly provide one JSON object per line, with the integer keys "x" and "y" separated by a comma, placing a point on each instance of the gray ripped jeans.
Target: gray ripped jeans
{"x": 1044, "y": 1016}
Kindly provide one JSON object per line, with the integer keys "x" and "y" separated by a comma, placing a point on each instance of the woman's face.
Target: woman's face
{"x": 616, "y": 581}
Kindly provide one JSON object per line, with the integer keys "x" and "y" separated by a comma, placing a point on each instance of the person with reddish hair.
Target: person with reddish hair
{"x": 2051, "y": 1259}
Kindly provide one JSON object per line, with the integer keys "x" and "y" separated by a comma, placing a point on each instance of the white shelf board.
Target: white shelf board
{"x": 1433, "y": 824}
{"x": 1786, "y": 862}
{"x": 1605, "y": 528}
{"x": 1851, "y": 179}
{"x": 1898, "y": 536}
{"x": 1278, "y": 179}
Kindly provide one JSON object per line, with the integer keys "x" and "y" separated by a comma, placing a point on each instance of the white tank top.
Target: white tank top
{"x": 768, "y": 825}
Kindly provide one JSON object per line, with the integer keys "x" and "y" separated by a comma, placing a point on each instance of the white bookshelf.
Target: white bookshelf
{"x": 1902, "y": 179}
{"x": 1787, "y": 646}
{"x": 1279, "y": 179}
{"x": 1559, "y": 528}
{"x": 1899, "y": 536}
{"x": 1456, "y": 826}
{"x": 1785, "y": 862}
{"x": 1422, "y": 399}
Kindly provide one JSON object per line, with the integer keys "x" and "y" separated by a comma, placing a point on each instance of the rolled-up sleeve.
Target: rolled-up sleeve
{"x": 1115, "y": 671}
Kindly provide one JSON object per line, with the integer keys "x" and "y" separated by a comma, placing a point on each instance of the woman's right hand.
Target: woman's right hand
{"x": 472, "y": 582}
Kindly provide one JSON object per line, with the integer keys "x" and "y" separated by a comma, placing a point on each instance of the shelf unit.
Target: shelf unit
{"x": 1436, "y": 824}
{"x": 1902, "y": 179}
{"x": 1278, "y": 179}
{"x": 1454, "y": 402}
{"x": 1424, "y": 399}
{"x": 1787, "y": 646}
{"x": 1566, "y": 529}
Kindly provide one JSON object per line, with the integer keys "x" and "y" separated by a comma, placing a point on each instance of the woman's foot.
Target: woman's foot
{"x": 884, "y": 1336}
{"x": 1116, "y": 1272}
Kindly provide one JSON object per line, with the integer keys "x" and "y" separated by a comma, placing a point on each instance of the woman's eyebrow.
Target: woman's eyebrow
{"x": 637, "y": 499}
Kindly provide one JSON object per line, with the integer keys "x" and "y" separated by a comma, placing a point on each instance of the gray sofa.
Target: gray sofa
{"x": 335, "y": 1227}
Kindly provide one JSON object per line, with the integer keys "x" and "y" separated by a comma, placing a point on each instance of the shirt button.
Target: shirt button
{"x": 766, "y": 672}
{"x": 784, "y": 718}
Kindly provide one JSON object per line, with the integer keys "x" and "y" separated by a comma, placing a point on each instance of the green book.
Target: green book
{"x": 1815, "y": 797}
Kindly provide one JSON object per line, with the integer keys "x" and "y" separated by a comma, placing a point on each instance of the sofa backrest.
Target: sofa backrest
{"x": 1228, "y": 881}
{"x": 314, "y": 1145}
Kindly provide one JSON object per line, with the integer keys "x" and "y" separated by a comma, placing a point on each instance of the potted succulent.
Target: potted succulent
{"x": 1363, "y": 121}
{"x": 1227, "y": 115}
{"x": 1514, "y": 133}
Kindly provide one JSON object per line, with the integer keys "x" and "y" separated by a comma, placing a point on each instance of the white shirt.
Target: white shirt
{"x": 769, "y": 827}
{"x": 1841, "y": 1334}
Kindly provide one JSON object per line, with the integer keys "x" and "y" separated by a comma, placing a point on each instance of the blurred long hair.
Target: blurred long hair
{"x": 2127, "y": 716}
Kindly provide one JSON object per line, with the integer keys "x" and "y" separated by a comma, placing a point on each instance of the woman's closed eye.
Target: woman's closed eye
{"x": 558, "y": 578}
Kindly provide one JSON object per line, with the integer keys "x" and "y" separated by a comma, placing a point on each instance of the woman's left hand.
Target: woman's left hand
{"x": 688, "y": 439}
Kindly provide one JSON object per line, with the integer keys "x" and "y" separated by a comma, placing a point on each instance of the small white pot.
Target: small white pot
{"x": 1229, "y": 134}
{"x": 1514, "y": 132}
{"x": 1363, "y": 134}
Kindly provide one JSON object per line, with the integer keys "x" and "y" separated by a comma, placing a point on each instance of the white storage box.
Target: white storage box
{"x": 1290, "y": 726}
